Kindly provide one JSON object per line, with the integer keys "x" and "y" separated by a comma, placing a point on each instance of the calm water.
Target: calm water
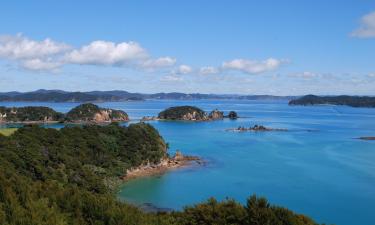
{"x": 317, "y": 168}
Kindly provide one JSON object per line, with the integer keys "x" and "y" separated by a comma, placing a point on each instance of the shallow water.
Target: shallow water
{"x": 316, "y": 168}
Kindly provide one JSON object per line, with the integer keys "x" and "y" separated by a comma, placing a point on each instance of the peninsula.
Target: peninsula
{"x": 71, "y": 175}
{"x": 353, "y": 101}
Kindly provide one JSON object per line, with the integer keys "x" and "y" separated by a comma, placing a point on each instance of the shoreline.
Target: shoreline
{"x": 166, "y": 164}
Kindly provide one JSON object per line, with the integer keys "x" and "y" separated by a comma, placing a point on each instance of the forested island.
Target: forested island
{"x": 70, "y": 176}
{"x": 353, "y": 101}
{"x": 192, "y": 113}
{"x": 84, "y": 113}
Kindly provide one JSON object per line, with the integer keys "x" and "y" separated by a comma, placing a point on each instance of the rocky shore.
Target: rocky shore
{"x": 367, "y": 138}
{"x": 168, "y": 163}
{"x": 255, "y": 128}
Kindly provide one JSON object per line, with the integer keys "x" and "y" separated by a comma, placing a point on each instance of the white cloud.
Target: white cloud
{"x": 253, "y": 66}
{"x": 171, "y": 78}
{"x": 20, "y": 47}
{"x": 208, "y": 70}
{"x": 159, "y": 62}
{"x": 184, "y": 69}
{"x": 107, "y": 53}
{"x": 367, "y": 27}
{"x": 49, "y": 55}
{"x": 40, "y": 65}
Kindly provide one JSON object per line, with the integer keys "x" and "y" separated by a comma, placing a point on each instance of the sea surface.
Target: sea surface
{"x": 317, "y": 168}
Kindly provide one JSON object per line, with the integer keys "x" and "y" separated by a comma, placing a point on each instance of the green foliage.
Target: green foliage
{"x": 178, "y": 113}
{"x": 353, "y": 101}
{"x": 83, "y": 112}
{"x": 66, "y": 177}
{"x": 87, "y": 112}
{"x": 29, "y": 113}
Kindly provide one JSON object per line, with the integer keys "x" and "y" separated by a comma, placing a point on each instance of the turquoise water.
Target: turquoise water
{"x": 317, "y": 168}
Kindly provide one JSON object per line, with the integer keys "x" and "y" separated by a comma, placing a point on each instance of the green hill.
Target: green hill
{"x": 69, "y": 177}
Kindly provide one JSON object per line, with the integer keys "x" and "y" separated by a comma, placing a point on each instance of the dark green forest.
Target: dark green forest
{"x": 29, "y": 113}
{"x": 70, "y": 176}
{"x": 353, "y": 101}
{"x": 178, "y": 112}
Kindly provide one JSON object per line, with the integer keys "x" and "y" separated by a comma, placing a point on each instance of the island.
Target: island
{"x": 29, "y": 114}
{"x": 191, "y": 113}
{"x": 232, "y": 115}
{"x": 256, "y": 128}
{"x": 72, "y": 175}
{"x": 369, "y": 138}
{"x": 89, "y": 112}
{"x": 84, "y": 113}
{"x": 353, "y": 101}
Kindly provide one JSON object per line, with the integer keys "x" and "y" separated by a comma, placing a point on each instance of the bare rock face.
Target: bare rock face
{"x": 216, "y": 115}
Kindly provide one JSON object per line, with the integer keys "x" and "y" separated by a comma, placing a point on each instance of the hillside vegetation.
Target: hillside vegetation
{"x": 69, "y": 176}
{"x": 353, "y": 101}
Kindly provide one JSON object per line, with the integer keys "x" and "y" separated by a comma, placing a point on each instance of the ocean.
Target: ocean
{"x": 317, "y": 167}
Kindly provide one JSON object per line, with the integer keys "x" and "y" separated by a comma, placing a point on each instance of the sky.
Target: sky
{"x": 289, "y": 47}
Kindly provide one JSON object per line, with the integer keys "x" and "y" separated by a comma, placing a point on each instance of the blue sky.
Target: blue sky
{"x": 243, "y": 47}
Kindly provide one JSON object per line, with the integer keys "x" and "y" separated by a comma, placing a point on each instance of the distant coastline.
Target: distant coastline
{"x": 119, "y": 96}
{"x": 353, "y": 101}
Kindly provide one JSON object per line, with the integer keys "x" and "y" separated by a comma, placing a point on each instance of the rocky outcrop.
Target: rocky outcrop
{"x": 168, "y": 163}
{"x": 256, "y": 128}
{"x": 92, "y": 113}
{"x": 216, "y": 115}
{"x": 232, "y": 115}
{"x": 367, "y": 138}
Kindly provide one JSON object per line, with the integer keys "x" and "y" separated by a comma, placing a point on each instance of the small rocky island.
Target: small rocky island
{"x": 92, "y": 113}
{"x": 190, "y": 113}
{"x": 255, "y": 128}
{"x": 367, "y": 138}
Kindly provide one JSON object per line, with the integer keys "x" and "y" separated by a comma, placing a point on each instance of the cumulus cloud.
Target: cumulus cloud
{"x": 20, "y": 47}
{"x": 107, "y": 53}
{"x": 367, "y": 27}
{"x": 208, "y": 70}
{"x": 49, "y": 55}
{"x": 253, "y": 66}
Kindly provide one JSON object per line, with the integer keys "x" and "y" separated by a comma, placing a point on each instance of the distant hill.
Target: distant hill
{"x": 117, "y": 95}
{"x": 353, "y": 101}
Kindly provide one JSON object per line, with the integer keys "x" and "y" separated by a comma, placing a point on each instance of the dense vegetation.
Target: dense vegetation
{"x": 29, "y": 113}
{"x": 353, "y": 101}
{"x": 68, "y": 176}
{"x": 91, "y": 112}
{"x": 83, "y": 113}
{"x": 183, "y": 113}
